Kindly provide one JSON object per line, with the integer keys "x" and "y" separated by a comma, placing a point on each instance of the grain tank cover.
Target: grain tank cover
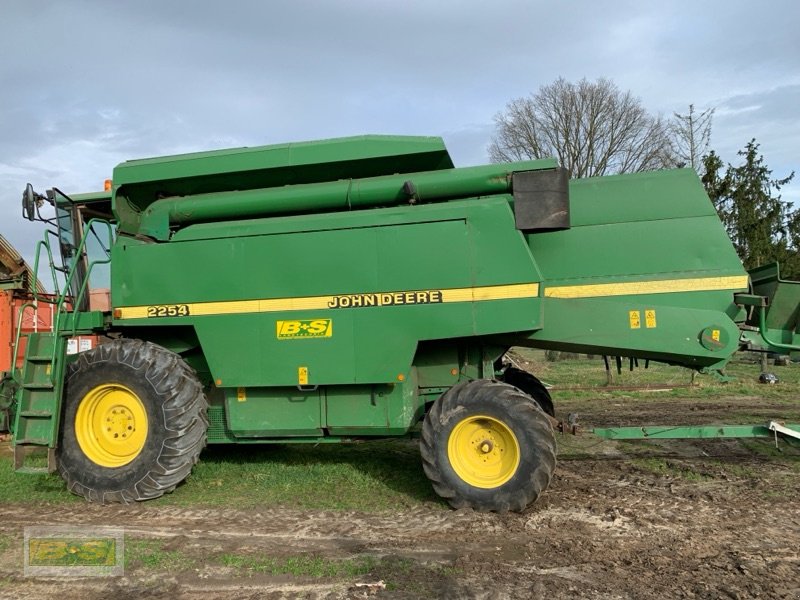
{"x": 142, "y": 182}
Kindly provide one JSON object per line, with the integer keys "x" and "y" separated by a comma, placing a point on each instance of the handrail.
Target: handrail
{"x": 14, "y": 368}
{"x": 762, "y": 330}
{"x": 59, "y": 298}
{"x": 73, "y": 268}
{"x": 46, "y": 243}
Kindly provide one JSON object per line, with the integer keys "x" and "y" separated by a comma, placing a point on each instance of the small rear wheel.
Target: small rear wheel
{"x": 485, "y": 445}
{"x": 134, "y": 422}
{"x": 531, "y": 386}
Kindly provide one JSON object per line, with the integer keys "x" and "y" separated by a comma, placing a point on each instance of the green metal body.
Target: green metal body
{"x": 774, "y": 323}
{"x": 689, "y": 432}
{"x": 332, "y": 290}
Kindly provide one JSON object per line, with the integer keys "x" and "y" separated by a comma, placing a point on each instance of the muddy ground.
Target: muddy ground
{"x": 672, "y": 520}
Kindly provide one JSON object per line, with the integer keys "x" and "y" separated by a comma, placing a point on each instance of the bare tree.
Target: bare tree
{"x": 691, "y": 137}
{"x": 593, "y": 128}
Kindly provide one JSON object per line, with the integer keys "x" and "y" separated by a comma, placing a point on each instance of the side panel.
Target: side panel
{"x": 259, "y": 412}
{"x": 332, "y": 299}
{"x": 643, "y": 245}
{"x": 354, "y": 410}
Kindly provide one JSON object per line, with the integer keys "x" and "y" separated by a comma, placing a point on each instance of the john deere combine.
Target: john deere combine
{"x": 354, "y": 288}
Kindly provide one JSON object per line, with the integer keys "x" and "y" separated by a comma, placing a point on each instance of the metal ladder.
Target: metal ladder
{"x": 40, "y": 382}
{"x": 38, "y": 400}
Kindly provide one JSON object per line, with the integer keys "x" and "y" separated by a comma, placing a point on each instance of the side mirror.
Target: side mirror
{"x": 29, "y": 203}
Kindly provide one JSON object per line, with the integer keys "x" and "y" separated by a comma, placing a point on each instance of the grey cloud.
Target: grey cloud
{"x": 89, "y": 83}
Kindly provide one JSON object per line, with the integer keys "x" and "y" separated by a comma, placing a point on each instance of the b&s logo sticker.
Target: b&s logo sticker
{"x": 305, "y": 328}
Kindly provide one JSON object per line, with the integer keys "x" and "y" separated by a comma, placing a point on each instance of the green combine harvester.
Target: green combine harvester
{"x": 364, "y": 288}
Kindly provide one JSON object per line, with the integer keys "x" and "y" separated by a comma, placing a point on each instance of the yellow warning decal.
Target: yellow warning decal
{"x": 650, "y": 318}
{"x": 241, "y": 394}
{"x": 302, "y": 375}
{"x": 305, "y": 328}
{"x": 715, "y": 335}
{"x": 366, "y": 300}
{"x": 635, "y": 318}
{"x": 664, "y": 286}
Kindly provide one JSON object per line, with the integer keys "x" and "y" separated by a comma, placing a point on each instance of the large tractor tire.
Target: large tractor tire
{"x": 531, "y": 386}
{"x": 135, "y": 420}
{"x": 486, "y": 446}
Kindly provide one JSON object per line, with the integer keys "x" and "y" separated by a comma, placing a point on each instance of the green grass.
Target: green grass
{"x": 583, "y": 372}
{"x": 300, "y": 565}
{"x": 150, "y": 554}
{"x": 766, "y": 448}
{"x": 668, "y": 468}
{"x": 388, "y": 476}
{"x": 738, "y": 470}
{"x": 374, "y": 476}
{"x": 16, "y": 487}
{"x": 399, "y": 574}
{"x": 5, "y": 542}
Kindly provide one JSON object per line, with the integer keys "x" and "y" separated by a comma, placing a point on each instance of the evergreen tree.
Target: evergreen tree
{"x": 763, "y": 227}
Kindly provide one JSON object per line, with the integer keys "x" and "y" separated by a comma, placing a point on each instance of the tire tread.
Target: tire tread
{"x": 184, "y": 409}
{"x": 526, "y": 415}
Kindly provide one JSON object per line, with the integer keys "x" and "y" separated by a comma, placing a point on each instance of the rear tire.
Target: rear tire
{"x": 531, "y": 386}
{"x": 486, "y": 446}
{"x": 134, "y": 422}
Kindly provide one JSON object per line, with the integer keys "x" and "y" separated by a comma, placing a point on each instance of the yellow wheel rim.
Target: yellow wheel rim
{"x": 111, "y": 425}
{"x": 483, "y": 451}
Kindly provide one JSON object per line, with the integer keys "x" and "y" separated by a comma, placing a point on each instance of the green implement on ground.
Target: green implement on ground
{"x": 360, "y": 288}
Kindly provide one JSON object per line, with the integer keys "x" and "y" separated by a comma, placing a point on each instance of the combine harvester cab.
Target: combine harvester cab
{"x": 355, "y": 289}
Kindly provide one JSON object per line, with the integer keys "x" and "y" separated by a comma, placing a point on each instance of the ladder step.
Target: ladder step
{"x": 31, "y": 442}
{"x": 38, "y": 401}
{"x": 35, "y": 413}
{"x": 33, "y": 470}
{"x": 37, "y": 386}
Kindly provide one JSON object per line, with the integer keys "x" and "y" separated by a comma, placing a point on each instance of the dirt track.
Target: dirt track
{"x": 705, "y": 520}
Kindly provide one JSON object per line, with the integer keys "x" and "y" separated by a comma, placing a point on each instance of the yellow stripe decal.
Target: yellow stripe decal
{"x": 664, "y": 286}
{"x": 476, "y": 294}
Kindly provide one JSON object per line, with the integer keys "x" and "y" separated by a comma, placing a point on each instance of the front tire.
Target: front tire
{"x": 486, "y": 446}
{"x": 134, "y": 422}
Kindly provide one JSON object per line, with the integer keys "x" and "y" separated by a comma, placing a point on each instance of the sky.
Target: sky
{"x": 87, "y": 84}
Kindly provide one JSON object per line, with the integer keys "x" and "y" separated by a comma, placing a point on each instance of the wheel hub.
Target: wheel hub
{"x": 111, "y": 425}
{"x": 119, "y": 423}
{"x": 483, "y": 451}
